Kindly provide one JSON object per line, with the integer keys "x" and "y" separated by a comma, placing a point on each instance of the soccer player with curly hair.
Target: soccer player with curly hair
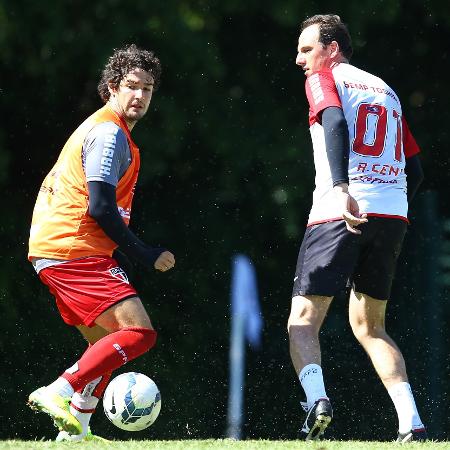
{"x": 79, "y": 222}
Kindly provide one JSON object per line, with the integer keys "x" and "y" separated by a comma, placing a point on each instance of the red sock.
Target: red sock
{"x": 98, "y": 391}
{"x": 109, "y": 353}
{"x": 97, "y": 387}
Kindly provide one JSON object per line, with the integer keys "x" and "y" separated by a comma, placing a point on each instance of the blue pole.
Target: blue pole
{"x": 236, "y": 386}
{"x": 246, "y": 324}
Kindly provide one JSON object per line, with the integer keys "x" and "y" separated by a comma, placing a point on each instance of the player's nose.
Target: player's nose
{"x": 300, "y": 60}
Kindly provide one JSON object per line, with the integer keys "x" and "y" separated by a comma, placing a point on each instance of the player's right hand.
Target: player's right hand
{"x": 165, "y": 261}
{"x": 350, "y": 209}
{"x": 351, "y": 221}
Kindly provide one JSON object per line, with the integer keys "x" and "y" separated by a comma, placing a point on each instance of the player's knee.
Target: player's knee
{"x": 359, "y": 332}
{"x": 294, "y": 322}
{"x": 148, "y": 338}
{"x": 290, "y": 323}
{"x": 143, "y": 340}
{"x": 305, "y": 318}
{"x": 363, "y": 330}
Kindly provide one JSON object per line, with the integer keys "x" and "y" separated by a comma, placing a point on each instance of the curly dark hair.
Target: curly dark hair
{"x": 122, "y": 62}
{"x": 331, "y": 29}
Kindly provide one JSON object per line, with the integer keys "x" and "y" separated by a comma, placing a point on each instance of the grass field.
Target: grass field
{"x": 222, "y": 444}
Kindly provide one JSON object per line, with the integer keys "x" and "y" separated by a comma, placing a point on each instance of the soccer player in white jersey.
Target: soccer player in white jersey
{"x": 367, "y": 168}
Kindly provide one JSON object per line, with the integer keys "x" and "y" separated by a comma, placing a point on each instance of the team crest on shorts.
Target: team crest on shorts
{"x": 119, "y": 273}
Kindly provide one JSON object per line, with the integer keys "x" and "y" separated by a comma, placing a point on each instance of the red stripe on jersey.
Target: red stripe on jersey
{"x": 388, "y": 216}
{"x": 321, "y": 93}
{"x": 410, "y": 147}
{"x": 335, "y": 219}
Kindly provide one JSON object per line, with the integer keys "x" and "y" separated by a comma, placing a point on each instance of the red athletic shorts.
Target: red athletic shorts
{"x": 86, "y": 287}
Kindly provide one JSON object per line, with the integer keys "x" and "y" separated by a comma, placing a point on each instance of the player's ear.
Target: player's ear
{"x": 111, "y": 88}
{"x": 334, "y": 49}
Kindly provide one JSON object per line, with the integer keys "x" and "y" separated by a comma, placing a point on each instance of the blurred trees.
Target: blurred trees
{"x": 227, "y": 168}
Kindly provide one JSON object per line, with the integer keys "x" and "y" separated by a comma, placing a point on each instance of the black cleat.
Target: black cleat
{"x": 318, "y": 418}
{"x": 414, "y": 435}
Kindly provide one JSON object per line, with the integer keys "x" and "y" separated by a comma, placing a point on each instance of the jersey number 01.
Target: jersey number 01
{"x": 372, "y": 118}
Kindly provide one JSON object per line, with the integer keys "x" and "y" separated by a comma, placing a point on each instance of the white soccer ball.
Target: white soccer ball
{"x": 132, "y": 401}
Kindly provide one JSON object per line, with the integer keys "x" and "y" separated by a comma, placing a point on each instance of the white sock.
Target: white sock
{"x": 82, "y": 407}
{"x": 311, "y": 379}
{"x": 403, "y": 399}
{"x": 62, "y": 387}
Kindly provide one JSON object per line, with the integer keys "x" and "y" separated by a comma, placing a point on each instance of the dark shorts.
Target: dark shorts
{"x": 84, "y": 288}
{"x": 332, "y": 258}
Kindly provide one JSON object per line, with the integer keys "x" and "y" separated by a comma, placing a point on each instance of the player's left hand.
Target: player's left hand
{"x": 165, "y": 261}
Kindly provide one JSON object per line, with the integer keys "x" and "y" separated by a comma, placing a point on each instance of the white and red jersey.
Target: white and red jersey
{"x": 380, "y": 141}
